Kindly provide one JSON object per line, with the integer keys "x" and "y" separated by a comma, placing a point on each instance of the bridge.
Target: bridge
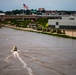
{"x": 4, "y": 17}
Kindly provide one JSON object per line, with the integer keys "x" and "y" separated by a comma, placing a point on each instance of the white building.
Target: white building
{"x": 67, "y": 22}
{"x": 2, "y": 13}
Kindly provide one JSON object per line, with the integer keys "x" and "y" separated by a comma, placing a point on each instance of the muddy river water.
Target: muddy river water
{"x": 42, "y": 54}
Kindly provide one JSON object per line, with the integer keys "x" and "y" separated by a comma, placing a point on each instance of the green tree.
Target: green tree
{"x": 42, "y": 21}
{"x": 8, "y": 13}
{"x": 15, "y": 12}
{"x": 28, "y": 12}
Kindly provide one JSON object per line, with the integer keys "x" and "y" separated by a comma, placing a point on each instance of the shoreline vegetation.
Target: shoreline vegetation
{"x": 68, "y": 33}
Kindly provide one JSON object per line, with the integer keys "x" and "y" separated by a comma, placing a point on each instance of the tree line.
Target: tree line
{"x": 22, "y": 11}
{"x": 37, "y": 12}
{"x": 39, "y": 23}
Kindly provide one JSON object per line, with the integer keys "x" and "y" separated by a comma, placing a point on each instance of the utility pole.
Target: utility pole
{"x": 23, "y": 14}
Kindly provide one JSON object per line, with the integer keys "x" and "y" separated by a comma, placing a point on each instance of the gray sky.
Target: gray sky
{"x": 6, "y": 5}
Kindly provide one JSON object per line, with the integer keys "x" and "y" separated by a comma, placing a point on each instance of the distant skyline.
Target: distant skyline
{"x": 8, "y": 5}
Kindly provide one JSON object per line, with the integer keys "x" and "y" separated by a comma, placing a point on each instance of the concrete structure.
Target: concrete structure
{"x": 41, "y": 9}
{"x": 66, "y": 22}
{"x": 3, "y": 17}
{"x": 2, "y": 13}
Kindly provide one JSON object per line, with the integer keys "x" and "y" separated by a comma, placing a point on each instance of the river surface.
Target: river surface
{"x": 42, "y": 54}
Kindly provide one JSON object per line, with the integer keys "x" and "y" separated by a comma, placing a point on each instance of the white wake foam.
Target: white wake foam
{"x": 16, "y": 55}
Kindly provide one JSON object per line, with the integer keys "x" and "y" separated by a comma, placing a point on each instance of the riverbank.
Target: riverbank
{"x": 68, "y": 33}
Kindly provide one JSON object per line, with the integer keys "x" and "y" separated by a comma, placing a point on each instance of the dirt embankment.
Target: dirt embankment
{"x": 71, "y": 33}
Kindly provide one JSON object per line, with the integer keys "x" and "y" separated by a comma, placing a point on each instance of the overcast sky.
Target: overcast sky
{"x": 8, "y": 5}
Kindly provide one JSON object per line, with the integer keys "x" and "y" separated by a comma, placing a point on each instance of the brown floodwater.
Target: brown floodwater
{"x": 42, "y": 54}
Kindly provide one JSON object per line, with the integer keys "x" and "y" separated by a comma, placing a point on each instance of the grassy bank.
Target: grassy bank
{"x": 48, "y": 33}
{"x": 60, "y": 35}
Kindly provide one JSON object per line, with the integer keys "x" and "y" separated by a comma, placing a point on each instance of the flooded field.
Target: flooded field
{"x": 40, "y": 54}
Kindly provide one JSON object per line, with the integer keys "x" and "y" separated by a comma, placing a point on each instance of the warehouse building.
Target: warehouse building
{"x": 66, "y": 22}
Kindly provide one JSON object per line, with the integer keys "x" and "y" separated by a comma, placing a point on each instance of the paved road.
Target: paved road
{"x": 42, "y": 54}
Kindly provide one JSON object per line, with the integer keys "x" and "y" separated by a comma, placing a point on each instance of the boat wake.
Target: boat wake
{"x": 16, "y": 55}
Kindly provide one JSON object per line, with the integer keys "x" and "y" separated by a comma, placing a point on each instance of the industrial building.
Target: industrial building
{"x": 66, "y": 22}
